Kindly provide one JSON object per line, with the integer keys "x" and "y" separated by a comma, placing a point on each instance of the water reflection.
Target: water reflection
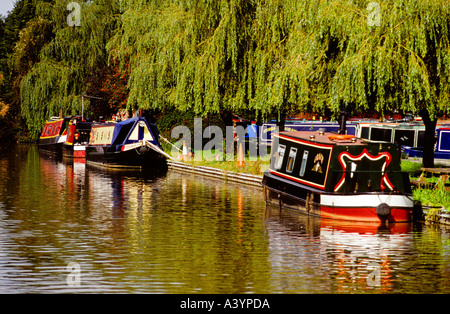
{"x": 181, "y": 233}
{"x": 326, "y": 256}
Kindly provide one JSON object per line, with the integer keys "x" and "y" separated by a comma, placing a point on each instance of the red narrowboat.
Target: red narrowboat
{"x": 53, "y": 135}
{"x": 338, "y": 176}
{"x": 77, "y": 139}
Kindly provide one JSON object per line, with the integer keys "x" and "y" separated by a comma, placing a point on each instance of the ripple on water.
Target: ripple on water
{"x": 182, "y": 233}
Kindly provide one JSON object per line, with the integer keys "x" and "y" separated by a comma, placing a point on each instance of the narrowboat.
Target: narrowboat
{"x": 338, "y": 176}
{"x": 53, "y": 135}
{"x": 267, "y": 129}
{"x": 442, "y": 147}
{"x": 133, "y": 143}
{"x": 78, "y": 132}
{"x": 406, "y": 134}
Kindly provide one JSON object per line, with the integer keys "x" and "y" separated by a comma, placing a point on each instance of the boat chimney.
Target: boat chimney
{"x": 60, "y": 112}
{"x": 343, "y": 123}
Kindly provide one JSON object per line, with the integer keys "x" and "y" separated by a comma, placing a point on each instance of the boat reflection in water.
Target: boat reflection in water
{"x": 184, "y": 233}
{"x": 356, "y": 257}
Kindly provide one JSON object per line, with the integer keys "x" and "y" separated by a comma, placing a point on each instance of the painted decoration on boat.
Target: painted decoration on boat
{"x": 306, "y": 168}
{"x": 52, "y": 129}
{"x": 53, "y": 135}
{"x": 355, "y": 163}
{"x": 102, "y": 134}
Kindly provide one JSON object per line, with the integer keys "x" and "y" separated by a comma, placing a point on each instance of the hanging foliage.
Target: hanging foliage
{"x": 264, "y": 57}
{"x": 322, "y": 56}
{"x": 70, "y": 63}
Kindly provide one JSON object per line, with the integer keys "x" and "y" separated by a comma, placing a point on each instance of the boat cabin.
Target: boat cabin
{"x": 78, "y": 132}
{"x": 54, "y": 134}
{"x": 405, "y": 134}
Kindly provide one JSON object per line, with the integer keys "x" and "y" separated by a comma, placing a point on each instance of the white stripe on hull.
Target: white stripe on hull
{"x": 366, "y": 200}
{"x": 79, "y": 147}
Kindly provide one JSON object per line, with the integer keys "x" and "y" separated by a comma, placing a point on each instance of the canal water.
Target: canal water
{"x": 68, "y": 228}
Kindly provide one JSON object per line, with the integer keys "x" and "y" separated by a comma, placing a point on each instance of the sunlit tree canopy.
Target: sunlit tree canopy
{"x": 320, "y": 56}
{"x": 259, "y": 57}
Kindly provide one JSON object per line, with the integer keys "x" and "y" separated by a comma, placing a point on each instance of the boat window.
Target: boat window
{"x": 379, "y": 134}
{"x": 443, "y": 143}
{"x": 420, "y": 138}
{"x": 280, "y": 156}
{"x": 405, "y": 137}
{"x": 304, "y": 161}
{"x": 365, "y": 132}
{"x": 291, "y": 159}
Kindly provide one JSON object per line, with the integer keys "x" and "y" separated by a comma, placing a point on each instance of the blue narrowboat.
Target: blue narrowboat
{"x": 133, "y": 143}
{"x": 442, "y": 150}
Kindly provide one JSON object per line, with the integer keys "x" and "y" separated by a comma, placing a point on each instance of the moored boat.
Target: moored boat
{"x": 78, "y": 132}
{"x": 442, "y": 147}
{"x": 338, "y": 176}
{"x": 409, "y": 135}
{"x": 132, "y": 143}
{"x": 53, "y": 135}
{"x": 267, "y": 130}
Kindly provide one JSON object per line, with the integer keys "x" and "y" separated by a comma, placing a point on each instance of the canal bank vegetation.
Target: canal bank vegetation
{"x": 217, "y": 159}
{"x": 256, "y": 167}
{"x": 434, "y": 199}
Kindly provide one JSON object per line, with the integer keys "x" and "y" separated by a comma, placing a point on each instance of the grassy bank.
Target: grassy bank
{"x": 251, "y": 167}
{"x": 255, "y": 167}
{"x": 435, "y": 198}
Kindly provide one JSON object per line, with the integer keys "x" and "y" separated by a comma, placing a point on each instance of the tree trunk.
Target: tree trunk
{"x": 281, "y": 120}
{"x": 429, "y": 139}
{"x": 227, "y": 118}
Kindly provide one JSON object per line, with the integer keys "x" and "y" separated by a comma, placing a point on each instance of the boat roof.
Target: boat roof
{"x": 322, "y": 137}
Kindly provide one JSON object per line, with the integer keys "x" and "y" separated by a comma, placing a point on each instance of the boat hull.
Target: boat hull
{"x": 139, "y": 158}
{"x": 74, "y": 151}
{"x": 54, "y": 149}
{"x": 366, "y": 207}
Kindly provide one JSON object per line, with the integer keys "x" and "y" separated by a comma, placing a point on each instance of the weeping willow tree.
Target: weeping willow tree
{"x": 282, "y": 57}
{"x": 264, "y": 57}
{"x": 70, "y": 62}
{"x": 381, "y": 56}
{"x": 188, "y": 55}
